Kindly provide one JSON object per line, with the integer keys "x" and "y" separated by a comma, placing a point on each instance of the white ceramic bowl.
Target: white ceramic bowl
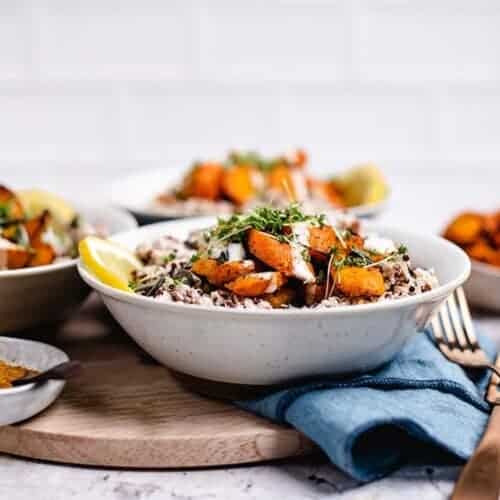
{"x": 20, "y": 403}
{"x": 483, "y": 286}
{"x": 31, "y": 296}
{"x": 136, "y": 192}
{"x": 260, "y": 347}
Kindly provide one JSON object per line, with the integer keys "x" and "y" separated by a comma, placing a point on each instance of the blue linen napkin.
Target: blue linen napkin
{"x": 371, "y": 424}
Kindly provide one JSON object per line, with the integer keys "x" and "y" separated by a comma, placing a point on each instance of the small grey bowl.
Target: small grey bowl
{"x": 20, "y": 403}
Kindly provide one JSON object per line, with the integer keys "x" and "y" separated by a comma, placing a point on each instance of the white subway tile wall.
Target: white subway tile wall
{"x": 127, "y": 84}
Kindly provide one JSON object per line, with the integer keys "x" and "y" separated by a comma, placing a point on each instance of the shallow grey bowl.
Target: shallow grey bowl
{"x": 20, "y": 403}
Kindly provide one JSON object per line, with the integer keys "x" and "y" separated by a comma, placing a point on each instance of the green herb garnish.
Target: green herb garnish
{"x": 254, "y": 159}
{"x": 267, "y": 219}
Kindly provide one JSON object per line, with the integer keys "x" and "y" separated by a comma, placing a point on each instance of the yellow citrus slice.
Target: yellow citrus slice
{"x": 363, "y": 184}
{"x": 108, "y": 261}
{"x": 35, "y": 201}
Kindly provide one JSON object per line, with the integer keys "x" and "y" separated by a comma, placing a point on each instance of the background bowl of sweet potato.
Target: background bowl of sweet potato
{"x": 49, "y": 293}
{"x": 478, "y": 233}
{"x": 137, "y": 192}
{"x": 263, "y": 347}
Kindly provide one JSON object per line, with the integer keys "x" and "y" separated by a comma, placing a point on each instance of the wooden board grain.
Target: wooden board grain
{"x": 125, "y": 411}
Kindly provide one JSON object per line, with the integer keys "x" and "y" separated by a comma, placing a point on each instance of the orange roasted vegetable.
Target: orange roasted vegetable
{"x": 326, "y": 190}
{"x": 280, "y": 179}
{"x": 322, "y": 239}
{"x": 238, "y": 183}
{"x": 282, "y": 297}
{"x": 274, "y": 253}
{"x": 37, "y": 225}
{"x": 314, "y": 293}
{"x": 465, "y": 229}
{"x": 257, "y": 284}
{"x": 205, "y": 268}
{"x": 221, "y": 273}
{"x": 204, "y": 181}
{"x": 483, "y": 252}
{"x": 43, "y": 253}
{"x": 13, "y": 256}
{"x": 10, "y": 206}
{"x": 359, "y": 281}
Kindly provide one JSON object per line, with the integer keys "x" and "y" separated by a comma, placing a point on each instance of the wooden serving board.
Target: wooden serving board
{"x": 127, "y": 411}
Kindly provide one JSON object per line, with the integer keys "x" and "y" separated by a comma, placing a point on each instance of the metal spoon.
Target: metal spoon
{"x": 62, "y": 371}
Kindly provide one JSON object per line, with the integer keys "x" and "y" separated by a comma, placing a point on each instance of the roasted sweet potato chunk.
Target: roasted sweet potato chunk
{"x": 257, "y": 284}
{"x": 221, "y": 273}
{"x": 205, "y": 267}
{"x": 43, "y": 254}
{"x": 322, "y": 239}
{"x": 204, "y": 181}
{"x": 37, "y": 225}
{"x": 484, "y": 252}
{"x": 280, "y": 179}
{"x": 229, "y": 271}
{"x": 326, "y": 190}
{"x": 10, "y": 206}
{"x": 314, "y": 293}
{"x": 359, "y": 281}
{"x": 465, "y": 229}
{"x": 238, "y": 183}
{"x": 13, "y": 256}
{"x": 282, "y": 297}
{"x": 268, "y": 249}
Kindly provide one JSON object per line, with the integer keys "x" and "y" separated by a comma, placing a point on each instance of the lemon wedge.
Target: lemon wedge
{"x": 35, "y": 201}
{"x": 108, "y": 261}
{"x": 363, "y": 184}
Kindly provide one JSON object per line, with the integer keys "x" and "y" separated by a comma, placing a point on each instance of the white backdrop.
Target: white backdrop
{"x": 88, "y": 88}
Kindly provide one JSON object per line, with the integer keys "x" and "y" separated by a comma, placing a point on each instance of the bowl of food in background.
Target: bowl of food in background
{"x": 39, "y": 235}
{"x": 243, "y": 181}
{"x": 271, "y": 295}
{"x": 479, "y": 235}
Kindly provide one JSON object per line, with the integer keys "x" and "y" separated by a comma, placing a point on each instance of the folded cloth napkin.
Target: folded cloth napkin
{"x": 371, "y": 424}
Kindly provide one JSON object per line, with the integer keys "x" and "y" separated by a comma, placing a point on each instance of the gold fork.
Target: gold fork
{"x": 455, "y": 336}
{"x": 480, "y": 478}
{"x": 456, "y": 339}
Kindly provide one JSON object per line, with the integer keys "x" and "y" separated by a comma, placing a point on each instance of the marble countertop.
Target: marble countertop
{"x": 423, "y": 199}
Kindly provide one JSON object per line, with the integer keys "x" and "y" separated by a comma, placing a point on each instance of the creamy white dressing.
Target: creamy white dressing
{"x": 215, "y": 251}
{"x": 235, "y": 251}
{"x": 6, "y": 244}
{"x": 380, "y": 245}
{"x": 59, "y": 243}
{"x": 299, "y": 184}
{"x": 300, "y": 240}
{"x": 272, "y": 286}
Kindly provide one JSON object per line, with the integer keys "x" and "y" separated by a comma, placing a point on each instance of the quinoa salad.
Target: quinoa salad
{"x": 278, "y": 258}
{"x": 246, "y": 180}
{"x": 37, "y": 238}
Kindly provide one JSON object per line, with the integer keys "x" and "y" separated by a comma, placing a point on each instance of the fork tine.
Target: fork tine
{"x": 448, "y": 329}
{"x": 466, "y": 317}
{"x": 457, "y": 324}
{"x": 437, "y": 329}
